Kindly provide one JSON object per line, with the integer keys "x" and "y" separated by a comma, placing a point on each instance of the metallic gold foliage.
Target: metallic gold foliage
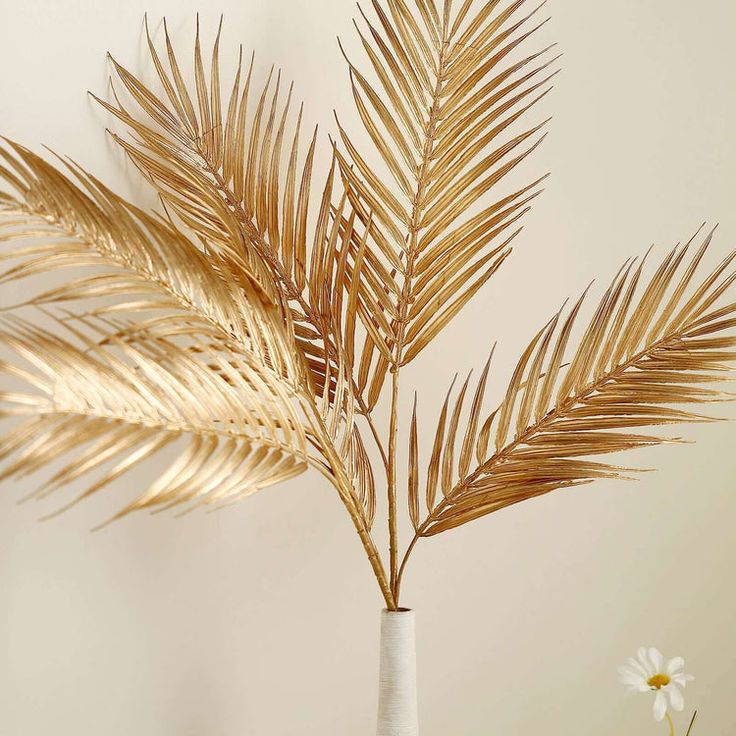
{"x": 130, "y": 402}
{"x": 250, "y": 328}
{"x": 639, "y": 353}
{"x": 439, "y": 116}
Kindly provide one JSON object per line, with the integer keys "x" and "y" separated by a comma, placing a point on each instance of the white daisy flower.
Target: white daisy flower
{"x": 649, "y": 673}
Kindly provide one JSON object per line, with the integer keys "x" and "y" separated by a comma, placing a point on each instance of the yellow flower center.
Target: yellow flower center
{"x": 658, "y": 681}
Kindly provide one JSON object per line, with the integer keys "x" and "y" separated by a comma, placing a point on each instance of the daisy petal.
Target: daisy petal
{"x": 631, "y": 689}
{"x": 676, "y": 663}
{"x": 660, "y": 705}
{"x": 676, "y": 699}
{"x": 631, "y": 678}
{"x": 644, "y": 661}
{"x": 682, "y": 679}
{"x": 656, "y": 658}
{"x": 637, "y": 667}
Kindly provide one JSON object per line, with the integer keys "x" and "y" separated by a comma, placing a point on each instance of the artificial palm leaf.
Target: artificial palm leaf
{"x": 441, "y": 115}
{"x": 147, "y": 263}
{"x": 646, "y": 350}
{"x": 225, "y": 162}
{"x": 213, "y": 308}
{"x": 125, "y": 403}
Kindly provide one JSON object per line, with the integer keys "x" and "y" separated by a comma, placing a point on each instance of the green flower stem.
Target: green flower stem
{"x": 671, "y": 724}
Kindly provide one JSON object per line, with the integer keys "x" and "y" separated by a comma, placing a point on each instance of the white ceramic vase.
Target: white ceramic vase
{"x": 397, "y": 679}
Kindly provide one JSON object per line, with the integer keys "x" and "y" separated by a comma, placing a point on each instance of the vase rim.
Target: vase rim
{"x": 389, "y": 611}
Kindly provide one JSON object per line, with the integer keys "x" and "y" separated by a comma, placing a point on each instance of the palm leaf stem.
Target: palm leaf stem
{"x": 405, "y": 301}
{"x": 344, "y": 486}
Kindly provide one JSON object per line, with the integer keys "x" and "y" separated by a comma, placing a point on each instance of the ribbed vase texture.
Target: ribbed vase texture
{"x": 397, "y": 679}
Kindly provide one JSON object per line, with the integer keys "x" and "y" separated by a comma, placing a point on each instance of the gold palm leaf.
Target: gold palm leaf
{"x": 210, "y": 304}
{"x": 145, "y": 261}
{"x": 233, "y": 163}
{"x": 640, "y": 356}
{"x": 439, "y": 116}
{"x": 161, "y": 295}
{"x": 125, "y": 403}
{"x": 231, "y": 344}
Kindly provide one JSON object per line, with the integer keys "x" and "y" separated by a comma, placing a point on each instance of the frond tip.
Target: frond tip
{"x": 645, "y": 350}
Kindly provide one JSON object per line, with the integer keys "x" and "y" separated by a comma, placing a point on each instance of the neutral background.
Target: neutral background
{"x": 264, "y": 620}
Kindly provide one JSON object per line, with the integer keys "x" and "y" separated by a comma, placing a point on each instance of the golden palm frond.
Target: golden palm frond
{"x": 644, "y": 351}
{"x": 233, "y": 164}
{"x": 445, "y": 92}
{"x": 144, "y": 261}
{"x": 243, "y": 346}
{"x": 126, "y": 403}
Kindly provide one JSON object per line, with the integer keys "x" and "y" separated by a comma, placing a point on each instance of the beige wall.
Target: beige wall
{"x": 263, "y": 619}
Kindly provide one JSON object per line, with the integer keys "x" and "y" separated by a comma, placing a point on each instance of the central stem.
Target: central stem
{"x": 405, "y": 301}
{"x": 392, "y": 515}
